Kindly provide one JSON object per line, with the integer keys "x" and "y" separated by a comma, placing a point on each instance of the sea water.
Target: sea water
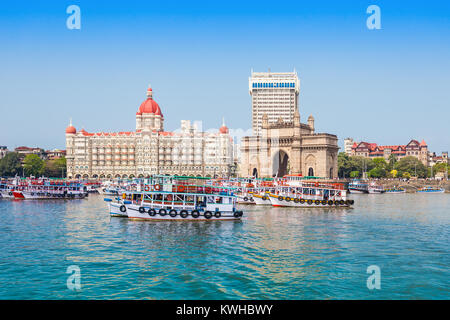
{"x": 272, "y": 253}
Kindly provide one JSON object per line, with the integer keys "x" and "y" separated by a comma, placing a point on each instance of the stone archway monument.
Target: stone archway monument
{"x": 289, "y": 148}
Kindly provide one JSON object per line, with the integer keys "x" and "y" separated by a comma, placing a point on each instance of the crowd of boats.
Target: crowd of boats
{"x": 195, "y": 198}
{"x": 162, "y": 197}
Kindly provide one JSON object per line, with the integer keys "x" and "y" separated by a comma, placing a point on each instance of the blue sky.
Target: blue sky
{"x": 385, "y": 86}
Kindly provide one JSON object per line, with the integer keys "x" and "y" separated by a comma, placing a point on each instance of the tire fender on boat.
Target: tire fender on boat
{"x": 208, "y": 214}
{"x": 195, "y": 214}
{"x": 173, "y": 213}
{"x": 183, "y": 214}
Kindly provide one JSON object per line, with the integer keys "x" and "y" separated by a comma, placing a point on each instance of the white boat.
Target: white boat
{"x": 262, "y": 199}
{"x": 311, "y": 194}
{"x": 7, "y": 193}
{"x": 357, "y": 186}
{"x": 7, "y": 188}
{"x": 108, "y": 191}
{"x": 117, "y": 209}
{"x": 45, "y": 190}
{"x": 395, "y": 190}
{"x": 431, "y": 190}
{"x": 374, "y": 188}
{"x": 245, "y": 198}
{"x": 177, "y": 202}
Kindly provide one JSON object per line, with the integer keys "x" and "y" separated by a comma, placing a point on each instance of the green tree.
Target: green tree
{"x": 344, "y": 165}
{"x": 411, "y": 165}
{"x": 377, "y": 172}
{"x": 55, "y": 168}
{"x": 348, "y": 164}
{"x": 392, "y": 161}
{"x": 381, "y": 168}
{"x": 362, "y": 164}
{"x": 440, "y": 167}
{"x": 354, "y": 174}
{"x": 33, "y": 165}
{"x": 10, "y": 165}
{"x": 380, "y": 163}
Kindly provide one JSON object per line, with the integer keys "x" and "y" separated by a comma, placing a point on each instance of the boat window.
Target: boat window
{"x": 201, "y": 200}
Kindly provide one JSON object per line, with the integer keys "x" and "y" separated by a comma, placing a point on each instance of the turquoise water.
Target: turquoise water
{"x": 273, "y": 253}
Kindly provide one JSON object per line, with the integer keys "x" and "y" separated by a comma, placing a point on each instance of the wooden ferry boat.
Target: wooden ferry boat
{"x": 6, "y": 191}
{"x": 395, "y": 190}
{"x": 42, "y": 189}
{"x": 431, "y": 190}
{"x": 375, "y": 188}
{"x": 174, "y": 201}
{"x": 311, "y": 194}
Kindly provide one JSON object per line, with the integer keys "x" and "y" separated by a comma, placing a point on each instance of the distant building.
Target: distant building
{"x": 434, "y": 159}
{"x": 55, "y": 154}
{"x": 274, "y": 94}
{"x": 3, "y": 151}
{"x": 348, "y": 143}
{"x": 149, "y": 149}
{"x": 280, "y": 143}
{"x": 24, "y": 151}
{"x": 414, "y": 148}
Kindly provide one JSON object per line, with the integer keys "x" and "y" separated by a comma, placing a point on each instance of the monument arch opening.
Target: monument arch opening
{"x": 280, "y": 166}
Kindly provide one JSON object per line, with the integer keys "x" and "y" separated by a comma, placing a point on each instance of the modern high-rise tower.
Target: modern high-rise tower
{"x": 274, "y": 94}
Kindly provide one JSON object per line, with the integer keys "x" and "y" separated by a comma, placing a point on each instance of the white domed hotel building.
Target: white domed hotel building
{"x": 149, "y": 149}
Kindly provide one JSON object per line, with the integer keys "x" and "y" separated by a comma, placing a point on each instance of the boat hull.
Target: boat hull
{"x": 134, "y": 213}
{"x": 277, "y": 202}
{"x": 114, "y": 210}
{"x": 245, "y": 199}
{"x": 7, "y": 194}
{"x": 376, "y": 191}
{"x": 356, "y": 191}
{"x": 262, "y": 200}
{"x": 28, "y": 195}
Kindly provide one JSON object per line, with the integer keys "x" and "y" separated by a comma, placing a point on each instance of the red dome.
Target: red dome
{"x": 71, "y": 130}
{"x": 223, "y": 129}
{"x": 149, "y": 106}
